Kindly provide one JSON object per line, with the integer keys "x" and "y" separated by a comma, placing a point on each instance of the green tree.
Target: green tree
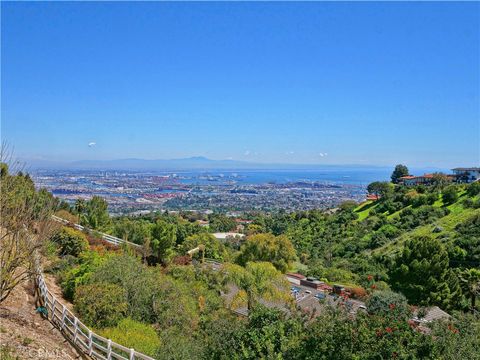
{"x": 440, "y": 180}
{"x": 379, "y": 188}
{"x": 132, "y": 276}
{"x": 450, "y": 195}
{"x": 267, "y": 247}
{"x": 213, "y": 248}
{"x": 221, "y": 223}
{"x": 73, "y": 277}
{"x": 422, "y": 274}
{"x": 94, "y": 214}
{"x": 388, "y": 303}
{"x": 100, "y": 305}
{"x": 136, "y": 231}
{"x": 398, "y": 172}
{"x": 164, "y": 238}
{"x": 470, "y": 283}
{"x": 257, "y": 280}
{"x": 70, "y": 241}
{"x": 473, "y": 189}
{"x": 269, "y": 334}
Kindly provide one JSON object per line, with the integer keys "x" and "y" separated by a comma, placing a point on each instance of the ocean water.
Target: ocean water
{"x": 337, "y": 176}
{"x": 353, "y": 175}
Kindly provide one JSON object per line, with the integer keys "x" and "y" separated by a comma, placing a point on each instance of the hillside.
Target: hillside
{"x": 412, "y": 250}
{"x": 441, "y": 228}
{"x": 24, "y": 334}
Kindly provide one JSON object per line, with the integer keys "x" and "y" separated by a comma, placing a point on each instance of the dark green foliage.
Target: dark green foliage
{"x": 422, "y": 274}
{"x": 412, "y": 218}
{"x": 221, "y": 223}
{"x": 470, "y": 283}
{"x": 269, "y": 334}
{"x": 449, "y": 195}
{"x": 136, "y": 231}
{"x": 164, "y": 237}
{"x": 379, "y": 188}
{"x": 473, "y": 189}
{"x": 468, "y": 239}
{"x": 93, "y": 214}
{"x": 457, "y": 338}
{"x": 388, "y": 304}
{"x": 398, "y": 172}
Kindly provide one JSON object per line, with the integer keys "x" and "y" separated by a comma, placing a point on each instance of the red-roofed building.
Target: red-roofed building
{"x": 411, "y": 180}
{"x": 295, "y": 278}
{"x": 373, "y": 197}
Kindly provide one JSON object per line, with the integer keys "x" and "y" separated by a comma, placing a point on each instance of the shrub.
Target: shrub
{"x": 64, "y": 214}
{"x": 100, "y": 305}
{"x": 70, "y": 241}
{"x": 388, "y": 303}
{"x": 473, "y": 189}
{"x": 449, "y": 195}
{"x": 357, "y": 292}
{"x": 125, "y": 271}
{"x": 267, "y": 247}
{"x": 73, "y": 275}
{"x": 134, "y": 334}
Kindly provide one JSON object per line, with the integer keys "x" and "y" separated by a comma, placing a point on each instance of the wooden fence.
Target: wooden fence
{"x": 108, "y": 238}
{"x": 78, "y": 333}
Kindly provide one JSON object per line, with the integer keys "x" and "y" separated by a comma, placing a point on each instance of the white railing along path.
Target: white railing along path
{"x": 108, "y": 238}
{"x": 78, "y": 333}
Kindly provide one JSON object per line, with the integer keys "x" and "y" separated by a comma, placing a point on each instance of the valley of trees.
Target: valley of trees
{"x": 413, "y": 248}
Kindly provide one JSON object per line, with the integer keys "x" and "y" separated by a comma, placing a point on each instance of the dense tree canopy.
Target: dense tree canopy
{"x": 93, "y": 214}
{"x": 422, "y": 274}
{"x": 400, "y": 170}
{"x": 70, "y": 241}
{"x": 267, "y": 247}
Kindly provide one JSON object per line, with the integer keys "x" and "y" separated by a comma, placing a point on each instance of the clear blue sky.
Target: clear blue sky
{"x": 327, "y": 83}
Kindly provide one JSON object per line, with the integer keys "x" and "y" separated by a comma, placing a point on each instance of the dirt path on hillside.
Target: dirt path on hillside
{"x": 24, "y": 334}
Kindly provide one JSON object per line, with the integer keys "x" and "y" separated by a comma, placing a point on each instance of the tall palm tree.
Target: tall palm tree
{"x": 470, "y": 282}
{"x": 257, "y": 280}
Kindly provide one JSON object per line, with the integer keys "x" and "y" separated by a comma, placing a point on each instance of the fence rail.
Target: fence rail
{"x": 78, "y": 333}
{"x": 108, "y": 238}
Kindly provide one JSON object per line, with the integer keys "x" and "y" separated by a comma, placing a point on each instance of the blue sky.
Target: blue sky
{"x": 326, "y": 83}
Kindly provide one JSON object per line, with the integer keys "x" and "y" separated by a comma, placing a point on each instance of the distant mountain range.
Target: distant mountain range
{"x": 196, "y": 162}
{"x": 191, "y": 163}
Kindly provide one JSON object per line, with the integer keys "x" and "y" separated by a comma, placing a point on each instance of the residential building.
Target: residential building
{"x": 411, "y": 180}
{"x": 467, "y": 175}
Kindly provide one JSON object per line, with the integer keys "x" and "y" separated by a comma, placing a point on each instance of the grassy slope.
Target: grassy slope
{"x": 457, "y": 215}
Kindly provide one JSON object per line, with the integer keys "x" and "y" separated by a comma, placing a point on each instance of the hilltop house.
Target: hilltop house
{"x": 467, "y": 175}
{"x": 411, "y": 180}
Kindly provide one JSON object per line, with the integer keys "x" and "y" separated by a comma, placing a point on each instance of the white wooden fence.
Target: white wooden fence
{"x": 78, "y": 333}
{"x": 90, "y": 343}
{"x": 108, "y": 238}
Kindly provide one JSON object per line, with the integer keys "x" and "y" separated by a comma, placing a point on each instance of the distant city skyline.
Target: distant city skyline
{"x": 277, "y": 82}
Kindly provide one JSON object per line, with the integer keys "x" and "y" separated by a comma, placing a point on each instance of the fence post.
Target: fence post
{"x": 90, "y": 342}
{"x": 75, "y": 324}
{"x": 64, "y": 309}
{"x": 109, "y": 348}
{"x": 53, "y": 308}
{"x": 132, "y": 354}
